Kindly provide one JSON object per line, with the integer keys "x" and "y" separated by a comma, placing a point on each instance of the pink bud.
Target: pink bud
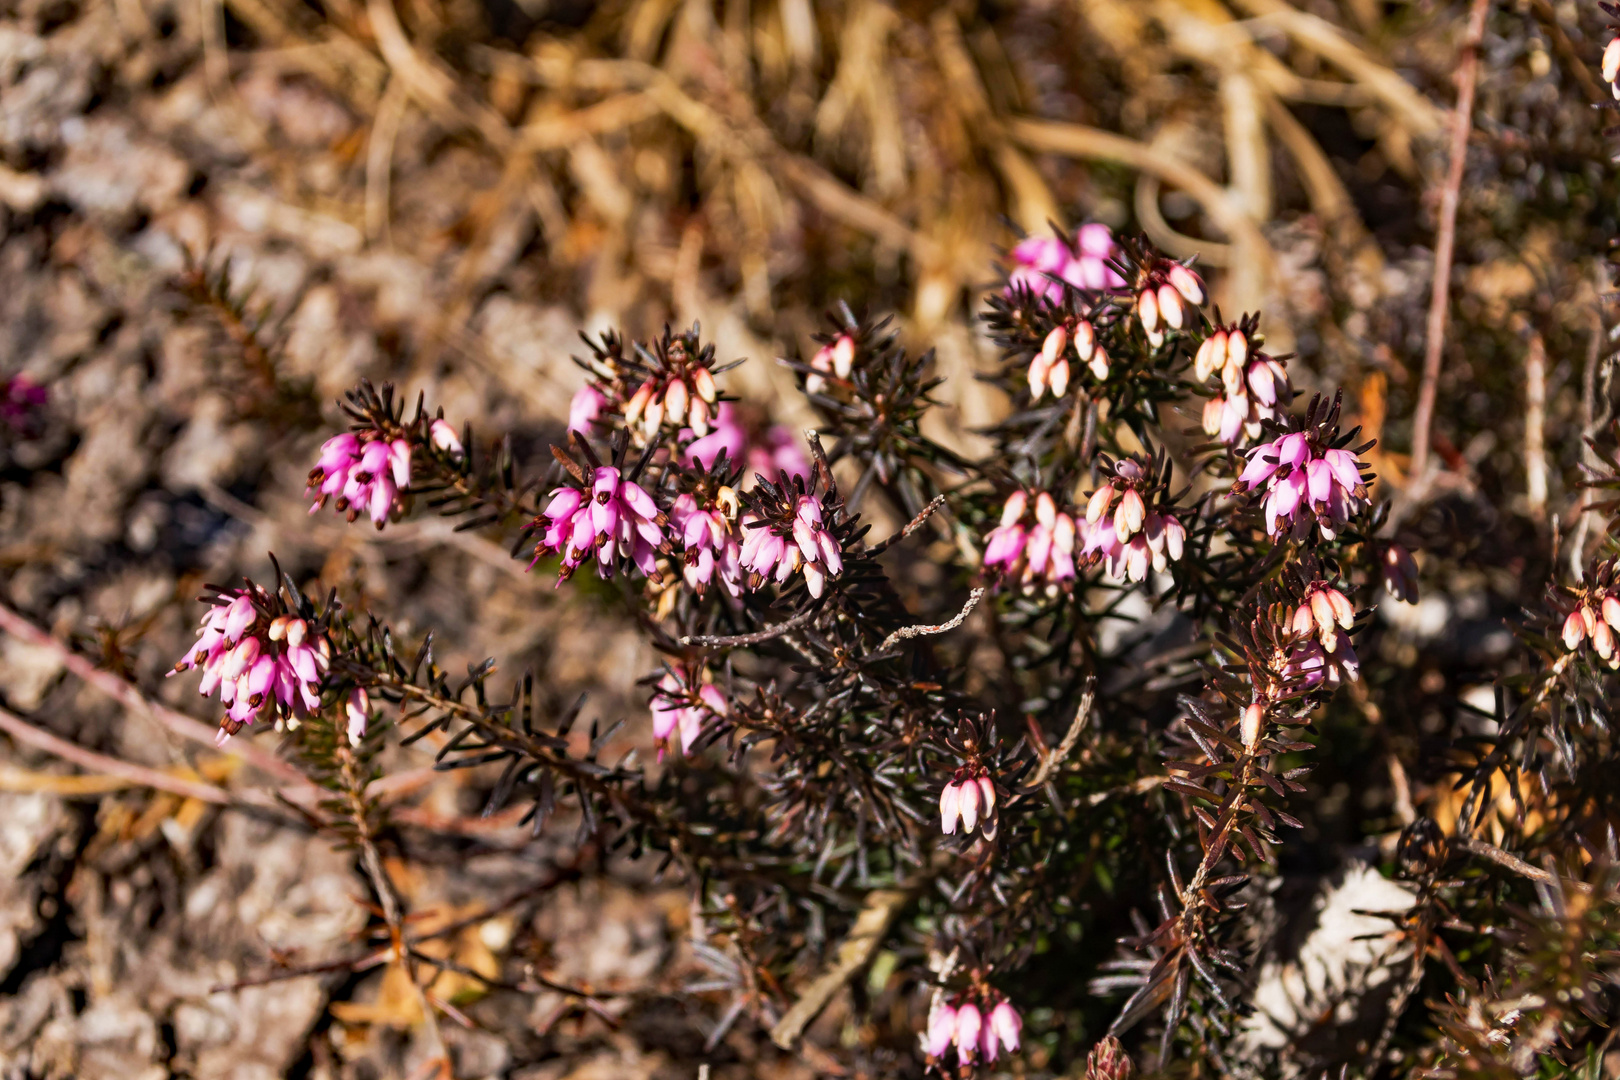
{"x": 1574, "y": 630}
{"x": 968, "y": 803}
{"x": 444, "y": 437}
{"x": 1128, "y": 518}
{"x": 638, "y": 403}
{"x": 1170, "y": 306}
{"x": 1187, "y": 284}
{"x": 843, "y": 356}
{"x": 987, "y": 795}
{"x": 1254, "y": 718}
{"x": 1099, "y": 364}
{"x": 949, "y": 808}
{"x": 1611, "y": 60}
{"x": 1099, "y": 502}
{"x": 1211, "y": 356}
{"x": 359, "y": 712}
{"x": 1059, "y": 377}
{"x": 1056, "y": 341}
{"x": 675, "y": 399}
{"x": 1147, "y": 310}
{"x": 1611, "y": 606}
{"x": 1013, "y": 508}
{"x": 1085, "y": 339}
{"x": 703, "y": 383}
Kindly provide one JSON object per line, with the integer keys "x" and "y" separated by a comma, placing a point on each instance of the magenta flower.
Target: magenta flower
{"x": 1003, "y": 1026}
{"x": 1042, "y": 264}
{"x": 709, "y": 537}
{"x": 1299, "y": 477}
{"x": 679, "y": 707}
{"x": 587, "y": 404}
{"x": 614, "y": 520}
{"x": 254, "y": 662}
{"x": 805, "y": 544}
{"x": 366, "y": 476}
{"x": 1041, "y": 550}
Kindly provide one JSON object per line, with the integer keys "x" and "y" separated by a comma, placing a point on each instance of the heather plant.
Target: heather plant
{"x": 1064, "y": 706}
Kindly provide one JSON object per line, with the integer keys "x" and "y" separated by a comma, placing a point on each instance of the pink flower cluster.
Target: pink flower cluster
{"x": 776, "y": 453}
{"x": 1253, "y": 386}
{"x": 971, "y": 1033}
{"x": 1299, "y": 475}
{"x": 836, "y": 359}
{"x": 970, "y": 800}
{"x": 1030, "y": 552}
{"x": 1043, "y": 264}
{"x": 253, "y": 662}
{"x": 1162, "y": 297}
{"x": 1322, "y": 653}
{"x": 680, "y": 400}
{"x": 1130, "y": 537}
{"x": 684, "y": 704}
{"x": 365, "y": 474}
{"x": 1050, "y": 368}
{"x": 1597, "y": 617}
{"x": 709, "y": 537}
{"x": 614, "y": 520}
{"x": 1323, "y": 614}
{"x": 809, "y": 546}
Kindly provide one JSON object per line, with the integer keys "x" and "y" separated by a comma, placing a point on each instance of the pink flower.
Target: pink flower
{"x": 836, "y": 358}
{"x": 1310, "y": 666}
{"x": 1030, "y": 551}
{"x": 776, "y": 453}
{"x": 677, "y": 706}
{"x": 1042, "y": 264}
{"x": 968, "y": 800}
{"x": 1130, "y": 537}
{"x": 365, "y": 476}
{"x": 709, "y": 537}
{"x": 941, "y": 1031}
{"x": 614, "y": 520}
{"x": 1298, "y": 477}
{"x": 586, "y": 406}
{"x": 253, "y": 662}
{"x": 969, "y": 1022}
{"x": 806, "y": 544}
{"x": 1004, "y": 1026}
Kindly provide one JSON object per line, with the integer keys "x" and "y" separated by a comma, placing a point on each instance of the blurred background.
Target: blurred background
{"x": 217, "y": 215}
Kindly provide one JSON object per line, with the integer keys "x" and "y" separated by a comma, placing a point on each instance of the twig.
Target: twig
{"x": 1509, "y": 860}
{"x": 1462, "y": 125}
{"x": 1082, "y": 717}
{"x": 757, "y": 636}
{"x": 911, "y": 527}
{"x": 24, "y": 732}
{"x": 1140, "y": 786}
{"x": 882, "y": 905}
{"x": 907, "y": 632}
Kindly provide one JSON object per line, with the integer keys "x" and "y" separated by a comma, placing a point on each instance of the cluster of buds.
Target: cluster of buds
{"x": 1032, "y": 551}
{"x": 1596, "y": 616}
{"x": 773, "y": 452}
{"x": 683, "y": 703}
{"x": 610, "y": 518}
{"x": 708, "y": 533}
{"x": 1322, "y": 654}
{"x": 1131, "y": 535}
{"x": 1254, "y": 386}
{"x": 1163, "y": 291}
{"x": 255, "y": 660}
{"x": 1043, "y": 265}
{"x": 969, "y": 797}
{"x": 1322, "y": 614}
{"x": 1400, "y": 573}
{"x": 1050, "y": 368}
{"x": 683, "y": 396}
{"x": 364, "y": 471}
{"x": 1304, "y": 479}
{"x": 788, "y": 532}
{"x": 977, "y": 1030}
{"x": 836, "y": 358}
